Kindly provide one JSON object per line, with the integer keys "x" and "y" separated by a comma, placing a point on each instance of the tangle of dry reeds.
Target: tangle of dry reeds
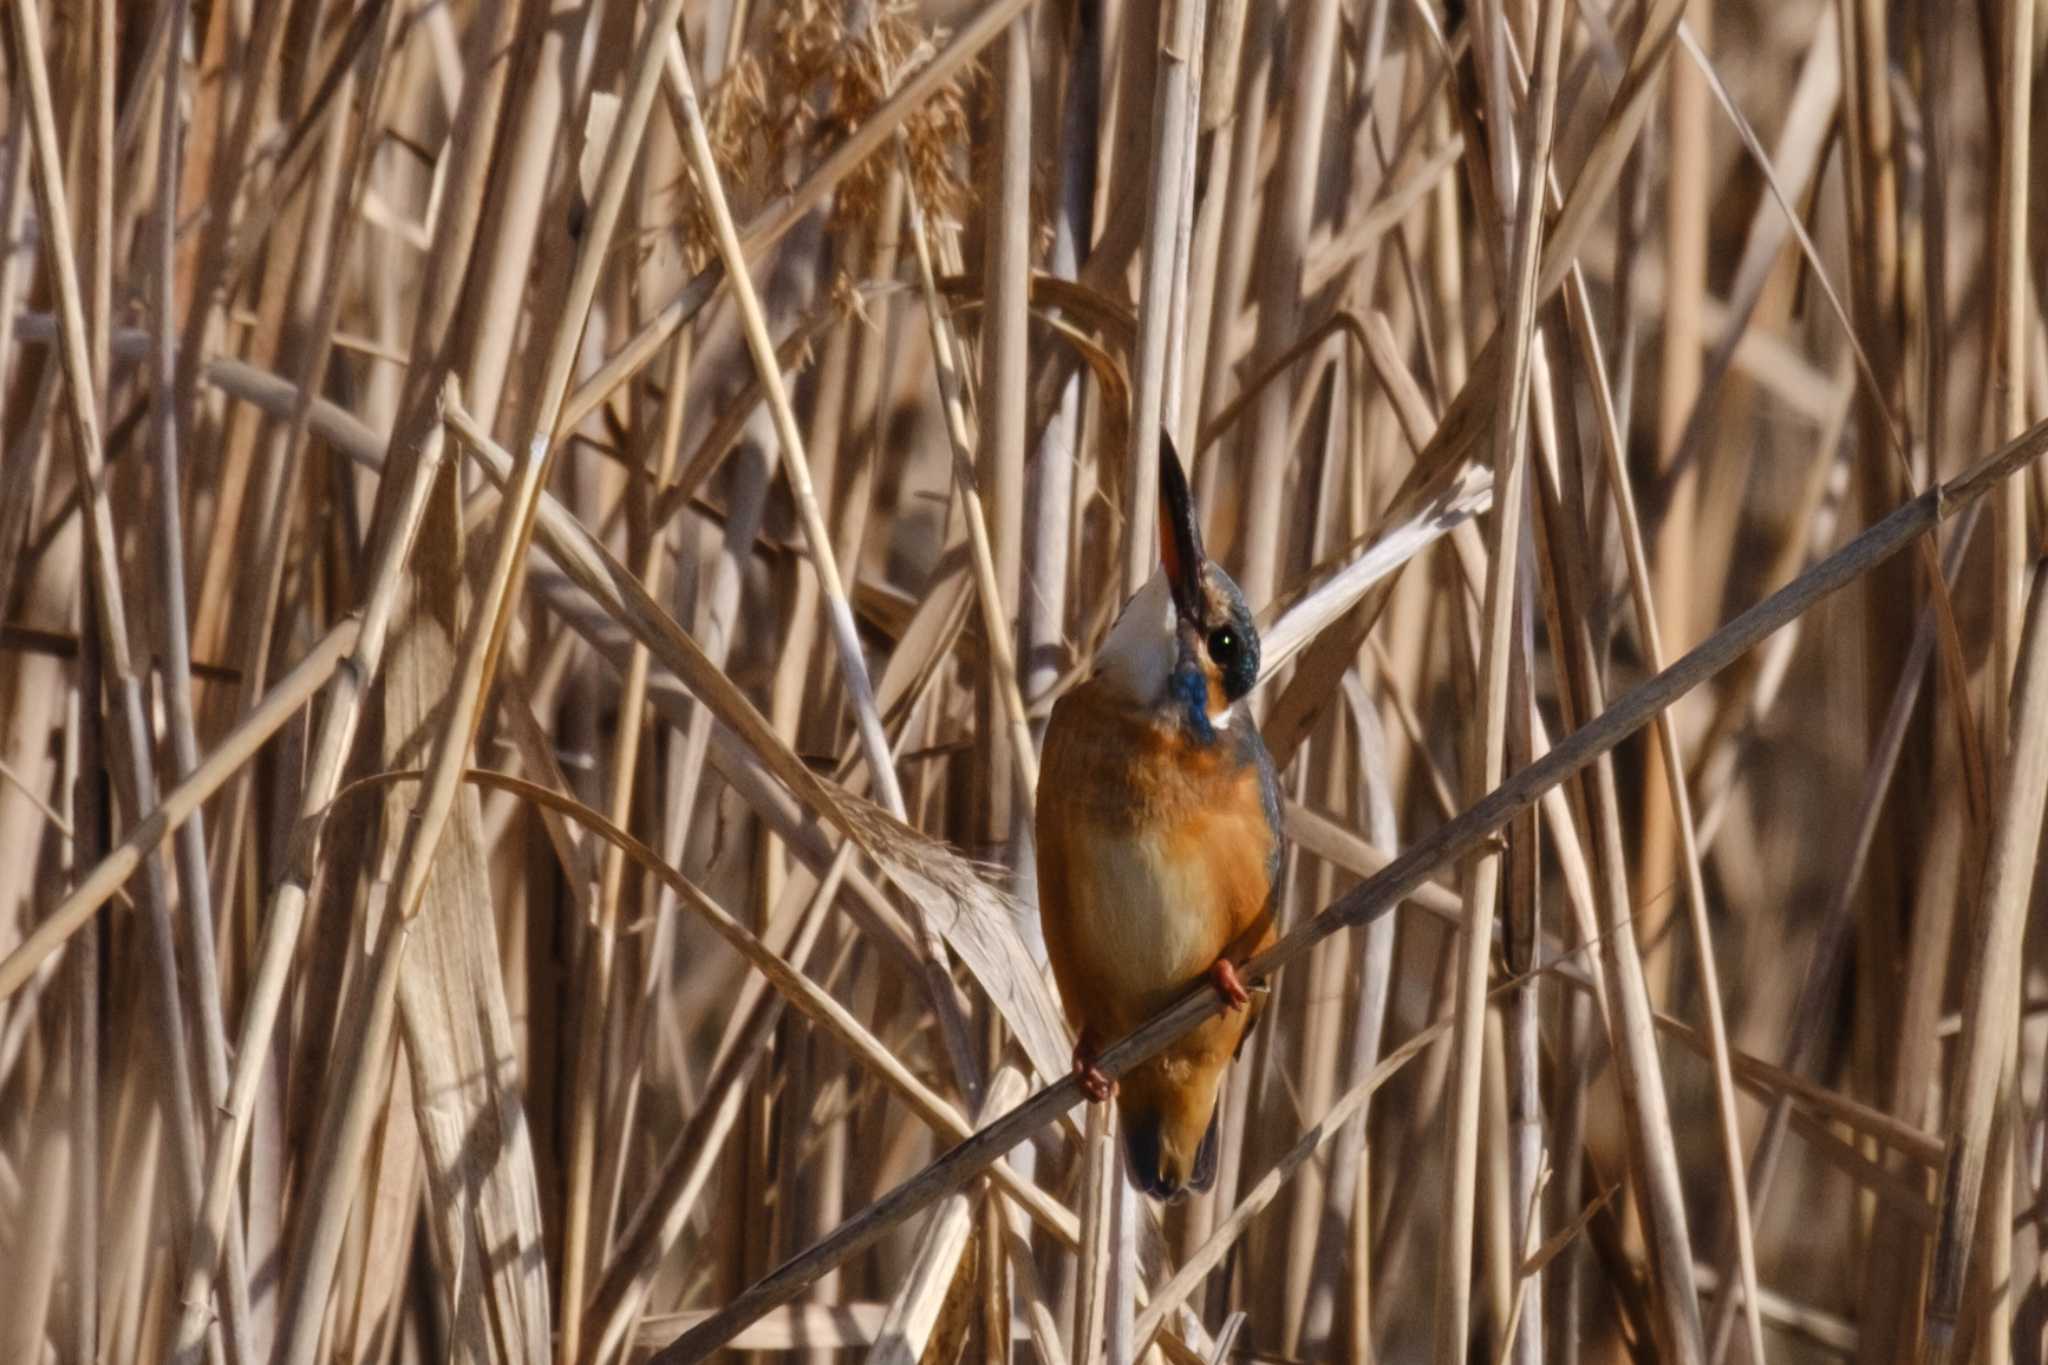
{"x": 538, "y": 541}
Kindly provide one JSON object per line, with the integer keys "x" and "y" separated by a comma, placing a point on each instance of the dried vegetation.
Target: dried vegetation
{"x": 537, "y": 541}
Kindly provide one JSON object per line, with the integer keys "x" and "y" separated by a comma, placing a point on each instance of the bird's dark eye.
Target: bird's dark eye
{"x": 1223, "y": 646}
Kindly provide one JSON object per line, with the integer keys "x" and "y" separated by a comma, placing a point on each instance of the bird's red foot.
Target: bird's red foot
{"x": 1095, "y": 1084}
{"x": 1223, "y": 976}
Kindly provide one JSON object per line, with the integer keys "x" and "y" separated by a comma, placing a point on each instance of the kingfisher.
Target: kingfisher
{"x": 1159, "y": 845}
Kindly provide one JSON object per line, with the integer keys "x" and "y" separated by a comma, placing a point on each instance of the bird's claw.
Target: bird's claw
{"x": 1096, "y": 1084}
{"x": 1223, "y": 976}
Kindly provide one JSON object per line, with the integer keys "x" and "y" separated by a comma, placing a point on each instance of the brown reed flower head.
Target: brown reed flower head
{"x": 811, "y": 84}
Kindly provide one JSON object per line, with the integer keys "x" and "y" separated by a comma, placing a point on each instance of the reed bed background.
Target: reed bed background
{"x": 537, "y": 541}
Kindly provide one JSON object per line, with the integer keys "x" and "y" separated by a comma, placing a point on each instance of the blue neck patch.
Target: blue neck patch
{"x": 1191, "y": 689}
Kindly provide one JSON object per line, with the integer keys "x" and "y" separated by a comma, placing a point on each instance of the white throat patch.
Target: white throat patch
{"x": 1138, "y": 657}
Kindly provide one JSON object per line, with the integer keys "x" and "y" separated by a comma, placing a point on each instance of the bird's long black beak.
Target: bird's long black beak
{"x": 1180, "y": 536}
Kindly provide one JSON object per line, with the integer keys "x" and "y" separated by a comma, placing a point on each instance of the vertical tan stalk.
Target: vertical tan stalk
{"x": 818, "y": 541}
{"x": 1173, "y": 117}
{"x": 2010, "y": 328}
{"x": 1510, "y": 451}
{"x": 82, "y": 1262}
{"x": 1689, "y": 172}
{"x": 1281, "y": 253}
{"x": 136, "y": 783}
{"x": 1980, "y": 1099}
{"x": 583, "y": 1224}
{"x": 285, "y": 909}
{"x": 351, "y": 1088}
{"x": 87, "y": 817}
{"x": 1232, "y": 261}
{"x": 1000, "y": 451}
{"x": 1678, "y": 793}
{"x": 1984, "y": 1069}
{"x": 1102, "y": 1181}
{"x": 1002, "y": 670}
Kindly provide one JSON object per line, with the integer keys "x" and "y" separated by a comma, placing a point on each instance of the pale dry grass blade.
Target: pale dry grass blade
{"x": 460, "y": 1054}
{"x": 1464, "y": 495}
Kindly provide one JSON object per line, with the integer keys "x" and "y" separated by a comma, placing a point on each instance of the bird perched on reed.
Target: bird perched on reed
{"x": 1159, "y": 845}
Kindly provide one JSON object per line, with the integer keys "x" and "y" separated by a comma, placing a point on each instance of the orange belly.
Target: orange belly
{"x": 1155, "y": 856}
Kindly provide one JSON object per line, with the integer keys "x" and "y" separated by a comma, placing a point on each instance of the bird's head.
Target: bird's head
{"x": 1185, "y": 647}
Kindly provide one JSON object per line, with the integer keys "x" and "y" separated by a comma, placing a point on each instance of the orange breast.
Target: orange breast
{"x": 1155, "y": 858}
